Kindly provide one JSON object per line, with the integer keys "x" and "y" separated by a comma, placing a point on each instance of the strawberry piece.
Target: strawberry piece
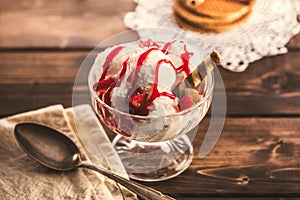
{"x": 102, "y": 85}
{"x": 185, "y": 103}
{"x": 138, "y": 103}
{"x": 138, "y": 100}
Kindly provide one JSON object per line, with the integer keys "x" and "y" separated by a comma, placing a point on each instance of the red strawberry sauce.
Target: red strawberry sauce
{"x": 139, "y": 100}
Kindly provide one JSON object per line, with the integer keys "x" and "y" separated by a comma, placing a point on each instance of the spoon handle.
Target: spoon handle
{"x": 142, "y": 191}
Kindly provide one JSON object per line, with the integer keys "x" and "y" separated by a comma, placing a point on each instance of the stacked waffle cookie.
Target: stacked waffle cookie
{"x": 211, "y": 16}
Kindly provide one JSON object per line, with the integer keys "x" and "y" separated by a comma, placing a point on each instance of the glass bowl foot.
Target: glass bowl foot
{"x": 154, "y": 161}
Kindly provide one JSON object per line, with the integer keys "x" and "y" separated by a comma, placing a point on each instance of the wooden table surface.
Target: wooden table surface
{"x": 43, "y": 43}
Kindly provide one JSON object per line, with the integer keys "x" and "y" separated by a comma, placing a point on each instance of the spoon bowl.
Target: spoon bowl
{"x": 47, "y": 146}
{"x": 55, "y": 150}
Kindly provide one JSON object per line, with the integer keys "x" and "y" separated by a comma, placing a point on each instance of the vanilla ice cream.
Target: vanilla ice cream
{"x": 139, "y": 79}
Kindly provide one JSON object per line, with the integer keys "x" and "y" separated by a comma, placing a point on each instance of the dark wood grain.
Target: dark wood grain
{"x": 60, "y": 24}
{"x": 268, "y": 87}
{"x": 31, "y": 67}
{"x": 253, "y": 157}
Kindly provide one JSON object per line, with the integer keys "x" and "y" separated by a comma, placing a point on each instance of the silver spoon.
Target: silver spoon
{"x": 54, "y": 150}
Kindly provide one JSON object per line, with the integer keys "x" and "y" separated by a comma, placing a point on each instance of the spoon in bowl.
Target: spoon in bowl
{"x": 54, "y": 150}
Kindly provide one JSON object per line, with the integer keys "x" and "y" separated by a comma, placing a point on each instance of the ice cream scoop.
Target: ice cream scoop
{"x": 134, "y": 80}
{"x": 153, "y": 80}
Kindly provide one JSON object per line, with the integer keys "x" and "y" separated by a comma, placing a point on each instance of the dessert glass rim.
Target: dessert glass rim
{"x": 208, "y": 91}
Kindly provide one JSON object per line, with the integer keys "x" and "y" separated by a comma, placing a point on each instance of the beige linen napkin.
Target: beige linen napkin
{"x": 23, "y": 178}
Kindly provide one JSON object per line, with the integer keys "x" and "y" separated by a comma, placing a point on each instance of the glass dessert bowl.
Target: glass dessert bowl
{"x": 136, "y": 91}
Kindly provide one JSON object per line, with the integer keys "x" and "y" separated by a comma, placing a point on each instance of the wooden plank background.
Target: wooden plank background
{"x": 43, "y": 43}
{"x": 60, "y": 24}
{"x": 33, "y": 30}
{"x": 254, "y": 157}
{"x": 268, "y": 87}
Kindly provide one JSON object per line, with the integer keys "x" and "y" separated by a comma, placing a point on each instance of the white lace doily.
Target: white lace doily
{"x": 267, "y": 31}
